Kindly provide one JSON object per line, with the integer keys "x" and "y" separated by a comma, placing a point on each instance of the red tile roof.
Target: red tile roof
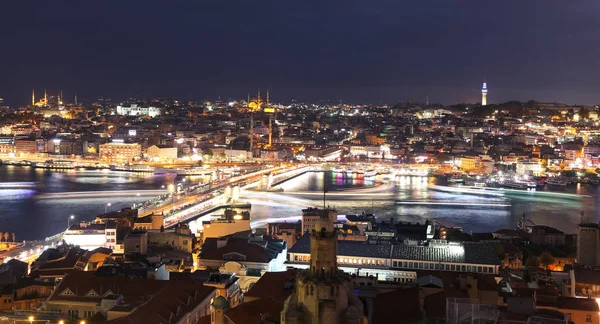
{"x": 152, "y": 301}
{"x": 272, "y": 285}
{"x": 256, "y": 312}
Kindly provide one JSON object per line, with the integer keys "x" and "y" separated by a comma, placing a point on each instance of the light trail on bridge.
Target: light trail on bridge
{"x": 100, "y": 194}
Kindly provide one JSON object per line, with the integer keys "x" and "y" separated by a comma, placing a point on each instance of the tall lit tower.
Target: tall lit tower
{"x": 33, "y": 97}
{"x": 484, "y": 94}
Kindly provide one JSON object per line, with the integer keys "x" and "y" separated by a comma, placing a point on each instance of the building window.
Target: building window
{"x": 479, "y": 269}
{"x": 447, "y": 267}
{"x": 588, "y": 318}
{"x": 404, "y": 264}
{"x": 426, "y": 265}
{"x": 395, "y": 264}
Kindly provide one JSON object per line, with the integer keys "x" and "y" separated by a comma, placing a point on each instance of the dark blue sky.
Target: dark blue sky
{"x": 357, "y": 51}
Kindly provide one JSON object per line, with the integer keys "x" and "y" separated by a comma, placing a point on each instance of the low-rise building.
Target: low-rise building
{"x": 180, "y": 238}
{"x": 92, "y": 235}
{"x": 159, "y": 153}
{"x": 120, "y": 152}
{"x": 138, "y": 110}
{"x": 120, "y": 299}
{"x": 546, "y": 235}
{"x": 398, "y": 262}
{"x": 310, "y": 217}
{"x": 248, "y": 257}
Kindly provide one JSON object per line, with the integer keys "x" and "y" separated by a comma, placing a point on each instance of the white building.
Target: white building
{"x": 528, "y": 168}
{"x": 161, "y": 153}
{"x": 138, "y": 110}
{"x": 92, "y": 236}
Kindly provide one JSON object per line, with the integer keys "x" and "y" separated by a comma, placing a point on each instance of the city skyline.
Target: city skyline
{"x": 375, "y": 53}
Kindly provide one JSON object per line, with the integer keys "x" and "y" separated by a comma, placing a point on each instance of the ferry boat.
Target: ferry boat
{"x": 193, "y": 171}
{"x": 514, "y": 185}
{"x": 556, "y": 182}
{"x": 456, "y": 180}
{"x": 57, "y": 165}
{"x": 132, "y": 168}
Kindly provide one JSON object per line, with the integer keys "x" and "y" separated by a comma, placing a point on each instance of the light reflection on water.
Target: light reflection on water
{"x": 32, "y": 218}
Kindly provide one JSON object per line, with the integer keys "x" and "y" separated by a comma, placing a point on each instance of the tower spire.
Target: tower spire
{"x": 45, "y": 96}
{"x": 267, "y": 97}
{"x": 33, "y": 97}
{"x": 484, "y": 93}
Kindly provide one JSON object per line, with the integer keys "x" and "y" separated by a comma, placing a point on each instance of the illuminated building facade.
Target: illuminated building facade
{"x": 138, "y": 110}
{"x": 161, "y": 153}
{"x": 91, "y": 236}
{"x": 399, "y": 262}
{"x": 120, "y": 152}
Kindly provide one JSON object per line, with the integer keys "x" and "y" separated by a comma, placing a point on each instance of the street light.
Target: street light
{"x": 31, "y": 318}
{"x": 72, "y": 217}
{"x": 106, "y": 206}
{"x": 82, "y": 322}
{"x": 61, "y": 322}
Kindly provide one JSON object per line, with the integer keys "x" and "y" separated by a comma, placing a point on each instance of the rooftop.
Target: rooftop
{"x": 469, "y": 252}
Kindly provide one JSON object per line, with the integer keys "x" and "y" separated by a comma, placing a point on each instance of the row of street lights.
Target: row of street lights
{"x": 32, "y": 319}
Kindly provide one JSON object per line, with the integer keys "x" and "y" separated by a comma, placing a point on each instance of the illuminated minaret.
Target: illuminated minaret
{"x": 484, "y": 94}
{"x": 33, "y": 97}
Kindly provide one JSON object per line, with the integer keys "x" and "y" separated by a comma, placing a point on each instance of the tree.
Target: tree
{"x": 546, "y": 259}
{"x": 5, "y": 236}
{"x": 14, "y": 237}
{"x": 532, "y": 261}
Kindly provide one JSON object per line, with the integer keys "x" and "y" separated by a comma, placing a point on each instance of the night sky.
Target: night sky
{"x": 357, "y": 51}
